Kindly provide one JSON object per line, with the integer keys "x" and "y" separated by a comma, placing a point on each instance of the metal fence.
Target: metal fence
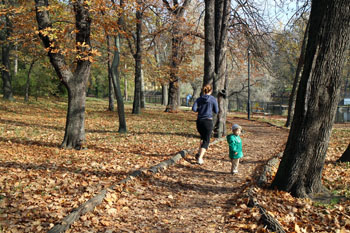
{"x": 343, "y": 114}
{"x": 157, "y": 99}
{"x": 273, "y": 108}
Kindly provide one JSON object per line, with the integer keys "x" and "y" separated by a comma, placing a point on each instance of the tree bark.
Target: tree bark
{"x": 136, "y": 108}
{"x": 142, "y": 95}
{"x": 178, "y": 12}
{"x": 164, "y": 94}
{"x": 173, "y": 101}
{"x": 26, "y": 94}
{"x": 172, "y": 97}
{"x": 5, "y": 55}
{"x": 125, "y": 88}
{"x": 345, "y": 156}
{"x": 6, "y": 74}
{"x": 116, "y": 85}
{"x": 75, "y": 82}
{"x": 110, "y": 77}
{"x": 300, "y": 170}
{"x": 293, "y": 94}
{"x": 222, "y": 9}
{"x": 209, "y": 50}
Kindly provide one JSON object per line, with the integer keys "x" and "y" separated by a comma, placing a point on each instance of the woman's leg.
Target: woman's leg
{"x": 205, "y": 128}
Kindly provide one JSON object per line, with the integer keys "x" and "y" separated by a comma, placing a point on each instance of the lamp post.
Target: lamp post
{"x": 248, "y": 104}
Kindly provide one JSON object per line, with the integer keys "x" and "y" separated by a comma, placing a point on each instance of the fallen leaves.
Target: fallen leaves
{"x": 40, "y": 184}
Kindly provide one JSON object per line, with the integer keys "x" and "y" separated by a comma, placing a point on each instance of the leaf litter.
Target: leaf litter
{"x": 40, "y": 183}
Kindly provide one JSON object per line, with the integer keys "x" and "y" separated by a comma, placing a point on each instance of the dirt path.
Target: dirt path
{"x": 188, "y": 197}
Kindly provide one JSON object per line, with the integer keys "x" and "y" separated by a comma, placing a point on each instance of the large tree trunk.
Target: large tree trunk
{"x": 300, "y": 170}
{"x": 136, "y": 108}
{"x": 5, "y": 55}
{"x": 172, "y": 97}
{"x": 216, "y": 23}
{"x": 345, "y": 156}
{"x": 75, "y": 82}
{"x": 222, "y": 9}
{"x": 174, "y": 85}
{"x": 74, "y": 136}
{"x": 178, "y": 12}
{"x": 116, "y": 85}
{"x": 293, "y": 94}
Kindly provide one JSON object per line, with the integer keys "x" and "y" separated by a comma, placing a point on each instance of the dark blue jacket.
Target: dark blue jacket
{"x": 205, "y": 106}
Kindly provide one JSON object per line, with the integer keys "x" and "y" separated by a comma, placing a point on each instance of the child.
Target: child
{"x": 235, "y": 147}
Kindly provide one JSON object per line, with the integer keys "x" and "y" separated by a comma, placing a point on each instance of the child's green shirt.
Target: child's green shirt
{"x": 235, "y": 145}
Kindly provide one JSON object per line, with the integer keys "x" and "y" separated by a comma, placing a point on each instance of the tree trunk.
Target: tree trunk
{"x": 172, "y": 97}
{"x": 164, "y": 94}
{"x": 75, "y": 82}
{"x": 143, "y": 98}
{"x": 222, "y": 9}
{"x": 209, "y": 50}
{"x": 345, "y": 156}
{"x": 293, "y": 94}
{"x": 15, "y": 70}
{"x": 136, "y": 108}
{"x": 5, "y": 55}
{"x": 110, "y": 77}
{"x": 196, "y": 92}
{"x": 173, "y": 102}
{"x": 26, "y": 94}
{"x": 178, "y": 12}
{"x": 5, "y": 73}
{"x": 300, "y": 170}
{"x": 116, "y": 85}
{"x": 74, "y": 136}
{"x": 220, "y": 120}
{"x": 125, "y": 88}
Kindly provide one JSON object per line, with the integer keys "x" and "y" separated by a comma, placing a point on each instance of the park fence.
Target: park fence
{"x": 268, "y": 108}
{"x": 343, "y": 114}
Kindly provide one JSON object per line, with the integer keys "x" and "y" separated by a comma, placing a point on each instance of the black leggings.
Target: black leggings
{"x": 204, "y": 127}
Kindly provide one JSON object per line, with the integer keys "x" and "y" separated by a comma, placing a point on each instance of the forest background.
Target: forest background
{"x": 275, "y": 41}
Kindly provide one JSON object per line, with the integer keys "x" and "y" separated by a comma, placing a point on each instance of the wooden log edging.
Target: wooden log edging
{"x": 90, "y": 205}
{"x": 267, "y": 169}
{"x": 267, "y": 219}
